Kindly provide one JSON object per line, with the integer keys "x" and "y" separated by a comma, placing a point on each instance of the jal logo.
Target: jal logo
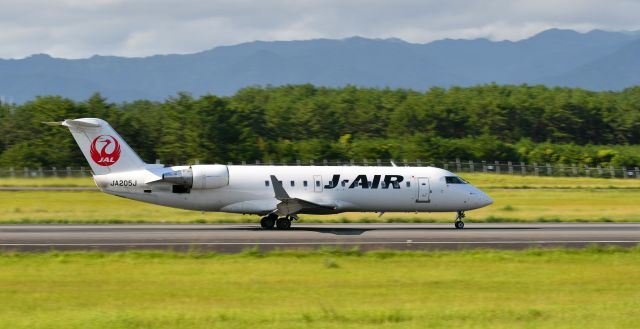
{"x": 105, "y": 150}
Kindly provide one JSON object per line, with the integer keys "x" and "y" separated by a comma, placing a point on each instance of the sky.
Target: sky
{"x": 133, "y": 28}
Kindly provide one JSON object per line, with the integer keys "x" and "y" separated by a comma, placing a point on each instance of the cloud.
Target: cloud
{"x": 81, "y": 28}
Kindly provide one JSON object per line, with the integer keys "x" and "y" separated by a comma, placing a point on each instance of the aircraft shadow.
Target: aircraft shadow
{"x": 346, "y": 231}
{"x": 360, "y": 231}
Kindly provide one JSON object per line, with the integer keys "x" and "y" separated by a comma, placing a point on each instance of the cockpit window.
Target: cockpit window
{"x": 454, "y": 180}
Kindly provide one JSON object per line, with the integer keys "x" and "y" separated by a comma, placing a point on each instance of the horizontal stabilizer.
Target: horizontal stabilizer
{"x": 53, "y": 123}
{"x": 79, "y": 124}
{"x": 72, "y": 123}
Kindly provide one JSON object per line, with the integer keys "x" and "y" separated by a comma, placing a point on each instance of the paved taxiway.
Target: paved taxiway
{"x": 233, "y": 238}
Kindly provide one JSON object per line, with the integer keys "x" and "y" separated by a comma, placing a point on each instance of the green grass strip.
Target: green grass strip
{"x": 595, "y": 287}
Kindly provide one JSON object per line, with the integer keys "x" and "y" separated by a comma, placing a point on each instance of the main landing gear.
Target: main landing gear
{"x": 271, "y": 220}
{"x": 268, "y": 221}
{"x": 459, "y": 217}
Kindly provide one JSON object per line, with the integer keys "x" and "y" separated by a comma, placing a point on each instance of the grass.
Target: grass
{"x": 479, "y": 180}
{"x": 522, "y": 205}
{"x": 589, "y": 288}
{"x": 535, "y": 182}
{"x": 49, "y": 182}
{"x": 517, "y": 199}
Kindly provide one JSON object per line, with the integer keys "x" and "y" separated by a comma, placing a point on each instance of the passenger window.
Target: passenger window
{"x": 383, "y": 185}
{"x": 318, "y": 183}
{"x": 344, "y": 183}
{"x": 266, "y": 183}
{"x": 408, "y": 184}
{"x": 293, "y": 183}
{"x": 304, "y": 183}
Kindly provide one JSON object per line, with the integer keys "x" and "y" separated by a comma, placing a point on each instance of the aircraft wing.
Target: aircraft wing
{"x": 296, "y": 205}
{"x": 292, "y": 206}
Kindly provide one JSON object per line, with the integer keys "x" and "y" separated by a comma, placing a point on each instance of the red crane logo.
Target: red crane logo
{"x": 109, "y": 150}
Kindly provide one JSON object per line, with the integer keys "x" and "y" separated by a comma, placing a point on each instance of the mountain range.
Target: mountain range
{"x": 597, "y": 60}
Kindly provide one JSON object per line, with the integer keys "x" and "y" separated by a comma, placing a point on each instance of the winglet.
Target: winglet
{"x": 281, "y": 194}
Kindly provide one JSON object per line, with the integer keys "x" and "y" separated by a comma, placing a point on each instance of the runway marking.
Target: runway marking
{"x": 310, "y": 243}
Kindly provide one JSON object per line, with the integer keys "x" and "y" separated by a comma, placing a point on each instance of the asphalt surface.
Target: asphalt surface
{"x": 234, "y": 238}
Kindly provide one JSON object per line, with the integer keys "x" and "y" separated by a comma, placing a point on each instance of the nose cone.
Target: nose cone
{"x": 485, "y": 200}
{"x": 480, "y": 199}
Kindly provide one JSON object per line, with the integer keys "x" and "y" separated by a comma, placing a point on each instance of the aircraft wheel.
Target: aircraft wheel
{"x": 283, "y": 223}
{"x": 459, "y": 224}
{"x": 267, "y": 222}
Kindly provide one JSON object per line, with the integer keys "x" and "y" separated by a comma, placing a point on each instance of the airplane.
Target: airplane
{"x": 276, "y": 193}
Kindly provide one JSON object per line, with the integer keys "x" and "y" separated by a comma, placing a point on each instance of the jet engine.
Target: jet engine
{"x": 199, "y": 177}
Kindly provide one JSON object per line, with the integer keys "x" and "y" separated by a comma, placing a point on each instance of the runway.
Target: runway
{"x": 238, "y": 237}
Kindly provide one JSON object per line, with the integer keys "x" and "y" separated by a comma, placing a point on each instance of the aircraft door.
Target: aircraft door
{"x": 424, "y": 190}
{"x": 317, "y": 183}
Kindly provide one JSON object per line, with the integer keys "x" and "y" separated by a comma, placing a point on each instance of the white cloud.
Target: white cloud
{"x": 81, "y": 28}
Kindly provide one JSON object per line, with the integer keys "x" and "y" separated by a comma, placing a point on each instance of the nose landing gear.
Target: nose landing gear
{"x": 459, "y": 217}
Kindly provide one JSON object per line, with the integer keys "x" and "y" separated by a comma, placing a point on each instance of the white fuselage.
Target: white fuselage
{"x": 249, "y": 189}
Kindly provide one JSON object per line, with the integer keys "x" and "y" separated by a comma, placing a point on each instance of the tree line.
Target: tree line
{"x": 486, "y": 122}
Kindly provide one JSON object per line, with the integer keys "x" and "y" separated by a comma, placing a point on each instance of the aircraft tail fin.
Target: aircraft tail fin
{"x": 101, "y": 145}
